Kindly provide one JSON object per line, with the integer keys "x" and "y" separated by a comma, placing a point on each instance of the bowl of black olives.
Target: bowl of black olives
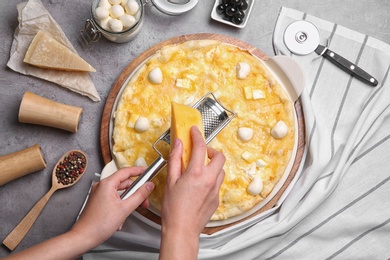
{"x": 232, "y": 12}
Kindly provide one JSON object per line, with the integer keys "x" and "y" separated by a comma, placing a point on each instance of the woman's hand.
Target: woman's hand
{"x": 105, "y": 211}
{"x": 190, "y": 198}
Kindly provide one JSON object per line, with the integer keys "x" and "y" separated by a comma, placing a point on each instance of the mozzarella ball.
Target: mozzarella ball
{"x": 104, "y": 23}
{"x": 242, "y": 70}
{"x": 127, "y": 20}
{"x": 124, "y": 2}
{"x": 115, "y": 25}
{"x": 101, "y": 13}
{"x": 137, "y": 16}
{"x": 245, "y": 133}
{"x": 155, "y": 76}
{"x": 115, "y": 2}
{"x": 116, "y": 11}
{"x": 142, "y": 124}
{"x": 105, "y": 4}
{"x": 279, "y": 130}
{"x": 132, "y": 7}
{"x": 256, "y": 186}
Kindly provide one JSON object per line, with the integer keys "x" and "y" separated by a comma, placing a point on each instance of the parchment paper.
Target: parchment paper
{"x": 33, "y": 16}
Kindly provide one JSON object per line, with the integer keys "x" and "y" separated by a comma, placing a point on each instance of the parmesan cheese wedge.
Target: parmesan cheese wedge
{"x": 183, "y": 118}
{"x": 46, "y": 52}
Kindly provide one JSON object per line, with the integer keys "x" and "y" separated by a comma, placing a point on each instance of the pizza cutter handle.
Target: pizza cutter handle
{"x": 146, "y": 176}
{"x": 350, "y": 67}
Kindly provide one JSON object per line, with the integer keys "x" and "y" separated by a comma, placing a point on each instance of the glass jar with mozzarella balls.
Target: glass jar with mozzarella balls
{"x": 118, "y": 20}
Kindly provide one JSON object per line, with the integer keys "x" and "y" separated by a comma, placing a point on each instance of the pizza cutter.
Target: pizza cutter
{"x": 214, "y": 116}
{"x": 302, "y": 38}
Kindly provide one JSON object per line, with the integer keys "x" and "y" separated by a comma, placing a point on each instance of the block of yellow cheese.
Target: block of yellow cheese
{"x": 183, "y": 118}
{"x": 45, "y": 52}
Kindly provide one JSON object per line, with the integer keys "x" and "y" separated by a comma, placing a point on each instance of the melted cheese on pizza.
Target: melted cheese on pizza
{"x": 189, "y": 71}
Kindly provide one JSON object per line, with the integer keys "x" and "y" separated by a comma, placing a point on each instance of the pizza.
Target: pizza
{"x": 257, "y": 143}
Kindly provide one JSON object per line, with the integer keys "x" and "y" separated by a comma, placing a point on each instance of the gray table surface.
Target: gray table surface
{"x": 17, "y": 197}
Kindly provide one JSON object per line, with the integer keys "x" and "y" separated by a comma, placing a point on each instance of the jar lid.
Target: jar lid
{"x": 169, "y": 7}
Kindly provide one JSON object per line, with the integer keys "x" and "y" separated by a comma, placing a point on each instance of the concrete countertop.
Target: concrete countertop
{"x": 18, "y": 197}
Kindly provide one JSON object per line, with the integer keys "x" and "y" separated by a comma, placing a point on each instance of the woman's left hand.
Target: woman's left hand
{"x": 105, "y": 211}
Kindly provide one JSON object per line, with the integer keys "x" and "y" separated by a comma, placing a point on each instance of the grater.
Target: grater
{"x": 214, "y": 116}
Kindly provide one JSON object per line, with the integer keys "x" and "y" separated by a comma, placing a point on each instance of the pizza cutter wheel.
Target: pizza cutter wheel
{"x": 302, "y": 38}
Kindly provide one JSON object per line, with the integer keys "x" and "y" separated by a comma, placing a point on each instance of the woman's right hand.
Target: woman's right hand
{"x": 191, "y": 197}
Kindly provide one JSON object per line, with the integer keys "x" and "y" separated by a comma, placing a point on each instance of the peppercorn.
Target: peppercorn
{"x": 72, "y": 166}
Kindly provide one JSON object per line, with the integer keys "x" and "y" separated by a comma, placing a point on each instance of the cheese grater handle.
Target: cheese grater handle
{"x": 146, "y": 176}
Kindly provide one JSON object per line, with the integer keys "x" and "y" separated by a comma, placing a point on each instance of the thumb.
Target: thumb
{"x": 139, "y": 196}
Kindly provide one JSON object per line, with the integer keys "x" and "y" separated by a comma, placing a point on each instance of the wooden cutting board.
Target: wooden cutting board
{"x": 116, "y": 87}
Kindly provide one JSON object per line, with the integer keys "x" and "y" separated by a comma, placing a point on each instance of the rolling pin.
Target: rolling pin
{"x": 37, "y": 110}
{"x": 21, "y": 163}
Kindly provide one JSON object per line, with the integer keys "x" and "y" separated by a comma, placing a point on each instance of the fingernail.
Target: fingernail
{"x": 150, "y": 186}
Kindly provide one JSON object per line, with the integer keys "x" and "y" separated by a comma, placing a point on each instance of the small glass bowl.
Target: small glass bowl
{"x": 93, "y": 30}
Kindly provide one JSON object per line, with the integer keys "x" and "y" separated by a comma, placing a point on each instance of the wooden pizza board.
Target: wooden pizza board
{"x": 116, "y": 87}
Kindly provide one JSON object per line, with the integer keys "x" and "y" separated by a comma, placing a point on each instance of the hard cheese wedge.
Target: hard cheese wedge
{"x": 46, "y": 52}
{"x": 183, "y": 118}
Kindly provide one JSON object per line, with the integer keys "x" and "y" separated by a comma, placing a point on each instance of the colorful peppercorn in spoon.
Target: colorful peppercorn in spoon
{"x": 68, "y": 171}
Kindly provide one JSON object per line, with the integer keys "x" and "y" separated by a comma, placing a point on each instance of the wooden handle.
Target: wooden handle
{"x": 19, "y": 232}
{"x": 18, "y": 164}
{"x": 41, "y": 111}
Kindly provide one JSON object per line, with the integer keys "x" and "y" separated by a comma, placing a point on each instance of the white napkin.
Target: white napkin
{"x": 33, "y": 17}
{"x": 339, "y": 207}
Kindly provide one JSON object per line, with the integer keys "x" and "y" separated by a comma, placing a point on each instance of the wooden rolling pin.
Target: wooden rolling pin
{"x": 37, "y": 110}
{"x": 21, "y": 163}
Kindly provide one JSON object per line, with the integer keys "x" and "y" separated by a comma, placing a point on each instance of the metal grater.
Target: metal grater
{"x": 214, "y": 116}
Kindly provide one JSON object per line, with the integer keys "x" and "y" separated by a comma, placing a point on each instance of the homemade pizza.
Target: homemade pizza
{"x": 257, "y": 143}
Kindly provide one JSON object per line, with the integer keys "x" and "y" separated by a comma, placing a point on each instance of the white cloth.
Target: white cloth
{"x": 339, "y": 208}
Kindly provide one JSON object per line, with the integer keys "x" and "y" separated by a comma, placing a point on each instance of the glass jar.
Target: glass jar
{"x": 94, "y": 28}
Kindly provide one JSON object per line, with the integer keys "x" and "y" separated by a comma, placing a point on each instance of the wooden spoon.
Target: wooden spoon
{"x": 74, "y": 158}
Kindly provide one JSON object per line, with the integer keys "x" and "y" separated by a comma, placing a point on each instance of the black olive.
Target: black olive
{"x": 226, "y": 18}
{"x": 235, "y": 2}
{"x": 221, "y": 8}
{"x": 237, "y": 19}
{"x": 240, "y": 13}
{"x": 225, "y": 1}
{"x": 243, "y": 5}
{"x": 231, "y": 10}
